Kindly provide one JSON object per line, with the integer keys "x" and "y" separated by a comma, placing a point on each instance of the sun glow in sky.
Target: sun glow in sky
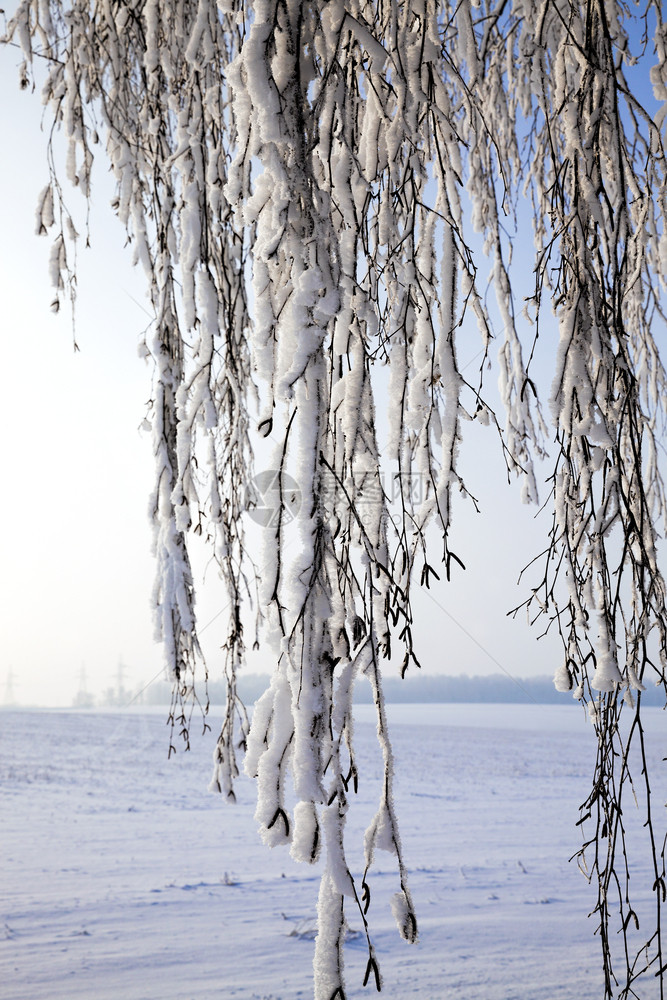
{"x": 77, "y": 473}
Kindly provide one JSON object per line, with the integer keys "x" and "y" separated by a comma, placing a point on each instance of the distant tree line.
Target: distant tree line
{"x": 496, "y": 689}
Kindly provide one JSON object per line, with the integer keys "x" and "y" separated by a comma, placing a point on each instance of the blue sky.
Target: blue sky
{"x": 76, "y": 545}
{"x": 75, "y": 549}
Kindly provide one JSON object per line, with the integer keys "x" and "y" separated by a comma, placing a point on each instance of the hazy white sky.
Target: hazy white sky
{"x": 77, "y": 570}
{"x": 76, "y": 470}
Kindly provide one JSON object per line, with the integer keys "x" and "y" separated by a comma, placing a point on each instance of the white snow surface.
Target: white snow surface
{"x": 124, "y": 877}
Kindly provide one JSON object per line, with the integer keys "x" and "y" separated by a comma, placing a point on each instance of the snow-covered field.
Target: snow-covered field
{"x": 124, "y": 878}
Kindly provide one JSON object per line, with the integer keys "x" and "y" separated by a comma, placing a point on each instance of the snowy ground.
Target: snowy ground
{"x": 124, "y": 878}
